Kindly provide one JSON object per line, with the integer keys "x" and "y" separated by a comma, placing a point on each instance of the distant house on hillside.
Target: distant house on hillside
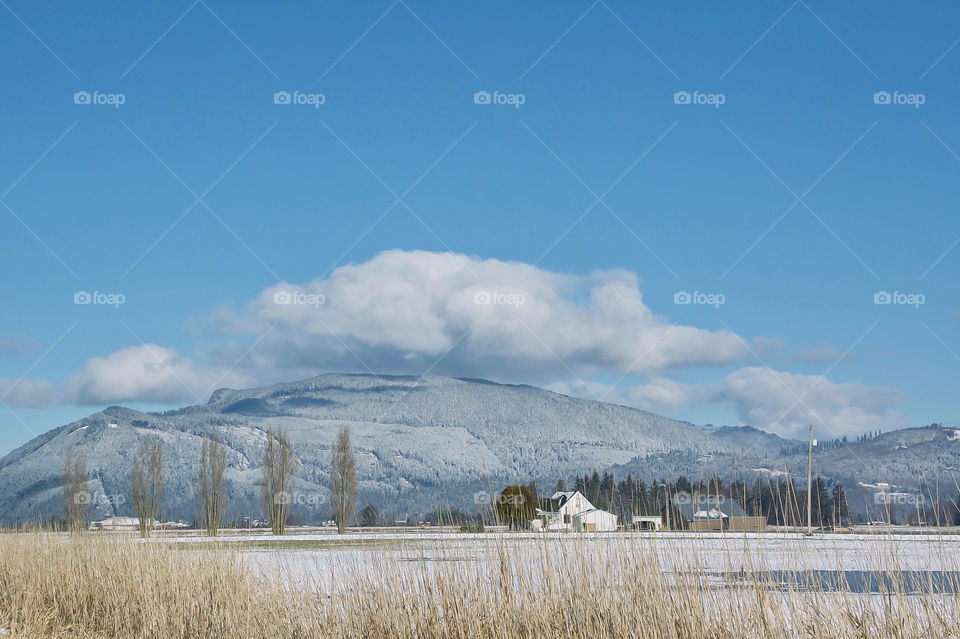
{"x": 571, "y": 511}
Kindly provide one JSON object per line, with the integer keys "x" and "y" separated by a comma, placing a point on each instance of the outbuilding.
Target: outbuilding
{"x": 710, "y": 512}
{"x": 647, "y": 522}
{"x": 595, "y": 520}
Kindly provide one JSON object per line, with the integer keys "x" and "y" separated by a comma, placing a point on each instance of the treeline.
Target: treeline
{"x": 781, "y": 502}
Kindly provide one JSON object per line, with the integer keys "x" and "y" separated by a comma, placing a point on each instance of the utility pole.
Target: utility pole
{"x": 810, "y": 484}
{"x": 669, "y": 508}
{"x": 936, "y": 508}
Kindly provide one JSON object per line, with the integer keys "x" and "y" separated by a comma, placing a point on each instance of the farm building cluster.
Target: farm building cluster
{"x": 570, "y": 511}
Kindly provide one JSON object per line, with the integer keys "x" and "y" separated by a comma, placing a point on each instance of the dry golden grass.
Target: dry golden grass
{"x": 56, "y": 586}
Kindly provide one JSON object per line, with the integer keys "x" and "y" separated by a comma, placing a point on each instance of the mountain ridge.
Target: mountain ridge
{"x": 418, "y": 440}
{"x": 414, "y": 437}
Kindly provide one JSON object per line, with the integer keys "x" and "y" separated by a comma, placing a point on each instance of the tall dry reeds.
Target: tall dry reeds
{"x": 497, "y": 587}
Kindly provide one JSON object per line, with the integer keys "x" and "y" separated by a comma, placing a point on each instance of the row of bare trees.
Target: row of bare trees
{"x": 146, "y": 487}
{"x": 147, "y": 484}
{"x": 279, "y": 464}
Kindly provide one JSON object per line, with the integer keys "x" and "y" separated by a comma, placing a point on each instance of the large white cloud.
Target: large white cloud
{"x": 661, "y": 394}
{"x": 667, "y": 393}
{"x": 147, "y": 373}
{"x": 447, "y": 313}
{"x": 408, "y": 311}
{"x": 787, "y": 403}
{"x": 778, "y": 401}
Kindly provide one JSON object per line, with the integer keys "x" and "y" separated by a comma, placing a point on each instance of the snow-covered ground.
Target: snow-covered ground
{"x": 314, "y": 559}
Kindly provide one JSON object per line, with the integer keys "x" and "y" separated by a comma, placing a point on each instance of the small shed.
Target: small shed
{"x": 712, "y": 512}
{"x": 647, "y": 522}
{"x": 595, "y": 520}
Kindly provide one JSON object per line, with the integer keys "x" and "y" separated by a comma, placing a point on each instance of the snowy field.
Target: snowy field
{"x": 715, "y": 584}
{"x": 313, "y": 559}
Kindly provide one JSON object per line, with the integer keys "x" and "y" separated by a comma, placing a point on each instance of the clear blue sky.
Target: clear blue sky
{"x": 294, "y": 190}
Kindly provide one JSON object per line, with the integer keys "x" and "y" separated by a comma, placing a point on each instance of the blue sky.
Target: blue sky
{"x": 198, "y": 198}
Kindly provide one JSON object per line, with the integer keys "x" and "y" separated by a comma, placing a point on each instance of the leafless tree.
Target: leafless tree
{"x": 146, "y": 483}
{"x": 343, "y": 480}
{"x": 212, "y": 485}
{"x": 75, "y": 495}
{"x": 279, "y": 463}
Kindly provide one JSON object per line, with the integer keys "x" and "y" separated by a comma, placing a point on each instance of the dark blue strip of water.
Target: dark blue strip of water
{"x": 857, "y": 581}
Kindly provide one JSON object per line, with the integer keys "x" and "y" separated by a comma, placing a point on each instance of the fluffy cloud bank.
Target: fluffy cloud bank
{"x": 409, "y": 311}
{"x": 779, "y": 402}
{"x": 787, "y": 403}
{"x": 444, "y": 313}
{"x": 146, "y": 373}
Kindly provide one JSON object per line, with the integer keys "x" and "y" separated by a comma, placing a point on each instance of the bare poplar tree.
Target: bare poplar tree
{"x": 211, "y": 487}
{"x": 343, "y": 480}
{"x": 278, "y": 466}
{"x": 146, "y": 486}
{"x": 75, "y": 495}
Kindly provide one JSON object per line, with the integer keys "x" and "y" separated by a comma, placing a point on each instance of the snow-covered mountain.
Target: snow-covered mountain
{"x": 417, "y": 440}
{"x": 423, "y": 441}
